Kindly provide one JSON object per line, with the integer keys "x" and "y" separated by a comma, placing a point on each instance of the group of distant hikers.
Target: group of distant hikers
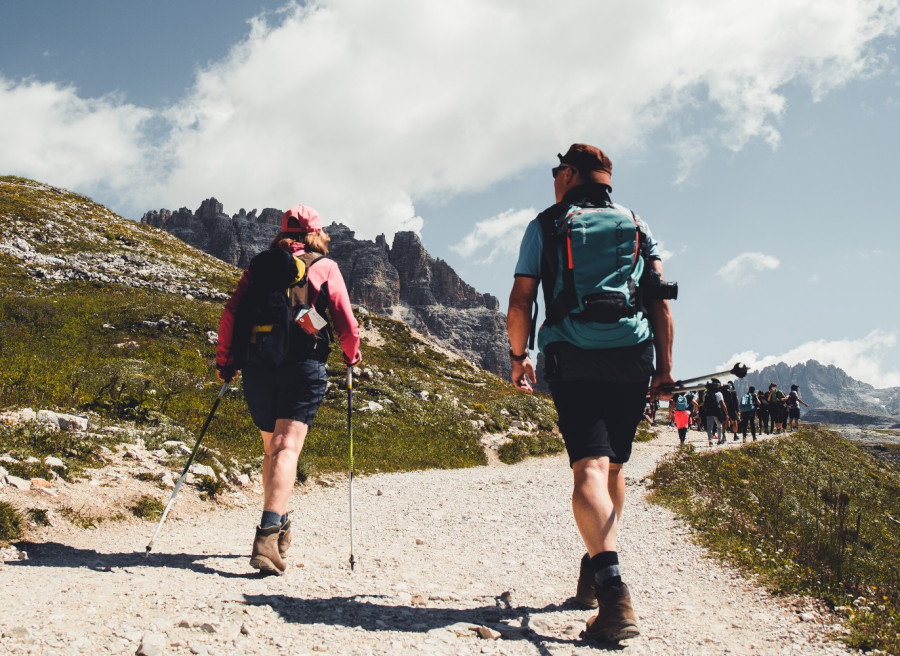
{"x": 718, "y": 409}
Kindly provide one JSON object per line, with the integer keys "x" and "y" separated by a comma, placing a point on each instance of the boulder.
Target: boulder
{"x": 49, "y": 418}
{"x": 202, "y": 470}
{"x": 56, "y": 463}
{"x": 15, "y": 417}
{"x": 18, "y": 483}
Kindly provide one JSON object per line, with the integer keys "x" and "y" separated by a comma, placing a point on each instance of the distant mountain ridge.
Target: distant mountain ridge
{"x": 833, "y": 396}
{"x": 401, "y": 281}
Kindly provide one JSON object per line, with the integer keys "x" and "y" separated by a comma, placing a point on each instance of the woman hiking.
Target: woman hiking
{"x": 283, "y": 397}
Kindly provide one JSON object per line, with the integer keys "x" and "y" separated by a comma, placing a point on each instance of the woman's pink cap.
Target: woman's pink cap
{"x": 301, "y": 218}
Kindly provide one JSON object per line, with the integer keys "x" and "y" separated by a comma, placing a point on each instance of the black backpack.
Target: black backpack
{"x": 265, "y": 331}
{"x": 711, "y": 406}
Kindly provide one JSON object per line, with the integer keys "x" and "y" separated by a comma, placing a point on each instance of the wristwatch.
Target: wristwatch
{"x": 517, "y": 358}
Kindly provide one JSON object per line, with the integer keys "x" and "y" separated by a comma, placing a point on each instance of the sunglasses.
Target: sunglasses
{"x": 556, "y": 169}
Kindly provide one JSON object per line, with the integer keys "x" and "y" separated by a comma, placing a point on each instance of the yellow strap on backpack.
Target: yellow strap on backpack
{"x": 301, "y": 270}
{"x": 259, "y": 329}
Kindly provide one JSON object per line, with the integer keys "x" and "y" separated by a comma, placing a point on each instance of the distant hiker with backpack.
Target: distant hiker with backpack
{"x": 607, "y": 313}
{"x": 715, "y": 410}
{"x": 777, "y": 408}
{"x": 275, "y": 329}
{"x": 731, "y": 403}
{"x": 793, "y": 405}
{"x": 748, "y": 406}
{"x": 684, "y": 405}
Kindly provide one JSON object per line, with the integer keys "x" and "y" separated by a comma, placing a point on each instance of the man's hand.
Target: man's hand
{"x": 661, "y": 386}
{"x": 523, "y": 375}
{"x": 518, "y": 326}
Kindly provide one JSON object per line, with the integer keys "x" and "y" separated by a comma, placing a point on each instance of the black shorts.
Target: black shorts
{"x": 794, "y": 413}
{"x": 290, "y": 391}
{"x": 599, "y": 419}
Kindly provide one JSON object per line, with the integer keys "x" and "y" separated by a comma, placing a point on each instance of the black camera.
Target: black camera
{"x": 653, "y": 286}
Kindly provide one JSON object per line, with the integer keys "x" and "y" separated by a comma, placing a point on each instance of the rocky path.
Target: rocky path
{"x": 476, "y": 561}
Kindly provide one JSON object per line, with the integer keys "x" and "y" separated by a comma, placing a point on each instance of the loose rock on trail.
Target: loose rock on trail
{"x": 473, "y": 561}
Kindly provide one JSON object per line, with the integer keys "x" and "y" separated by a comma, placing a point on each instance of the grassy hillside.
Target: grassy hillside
{"x": 102, "y": 315}
{"x": 809, "y": 513}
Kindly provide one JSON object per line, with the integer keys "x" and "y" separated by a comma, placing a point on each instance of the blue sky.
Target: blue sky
{"x": 759, "y": 139}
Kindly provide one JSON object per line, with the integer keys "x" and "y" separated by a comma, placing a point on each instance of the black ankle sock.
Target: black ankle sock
{"x": 606, "y": 569}
{"x": 269, "y": 519}
{"x": 284, "y": 519}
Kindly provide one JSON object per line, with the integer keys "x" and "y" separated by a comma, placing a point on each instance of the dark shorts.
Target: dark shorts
{"x": 794, "y": 413}
{"x": 290, "y": 391}
{"x": 599, "y": 419}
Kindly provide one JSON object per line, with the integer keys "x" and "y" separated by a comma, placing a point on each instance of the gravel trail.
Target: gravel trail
{"x": 474, "y": 561}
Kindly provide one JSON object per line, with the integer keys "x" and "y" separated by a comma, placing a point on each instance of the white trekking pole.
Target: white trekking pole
{"x": 350, "y": 431}
{"x": 187, "y": 466}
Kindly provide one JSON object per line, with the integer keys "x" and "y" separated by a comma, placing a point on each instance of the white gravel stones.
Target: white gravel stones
{"x": 482, "y": 532}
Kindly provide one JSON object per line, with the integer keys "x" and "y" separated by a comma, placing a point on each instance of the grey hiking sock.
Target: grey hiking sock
{"x": 270, "y": 518}
{"x": 606, "y": 569}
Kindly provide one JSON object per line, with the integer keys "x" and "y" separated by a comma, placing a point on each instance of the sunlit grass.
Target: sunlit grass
{"x": 809, "y": 513}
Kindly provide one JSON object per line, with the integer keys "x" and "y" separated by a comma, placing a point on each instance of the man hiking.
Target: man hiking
{"x": 793, "y": 405}
{"x": 606, "y": 317}
{"x": 777, "y": 408}
{"x": 716, "y": 411}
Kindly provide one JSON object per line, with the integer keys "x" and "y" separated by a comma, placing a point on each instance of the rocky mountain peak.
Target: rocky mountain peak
{"x": 827, "y": 389}
{"x": 401, "y": 280}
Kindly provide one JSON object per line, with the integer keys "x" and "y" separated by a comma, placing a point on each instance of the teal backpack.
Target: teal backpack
{"x": 591, "y": 267}
{"x": 747, "y": 403}
{"x": 681, "y": 402}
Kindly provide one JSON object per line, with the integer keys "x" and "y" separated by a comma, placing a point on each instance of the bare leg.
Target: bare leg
{"x": 592, "y": 504}
{"x": 282, "y": 450}
{"x": 616, "y": 486}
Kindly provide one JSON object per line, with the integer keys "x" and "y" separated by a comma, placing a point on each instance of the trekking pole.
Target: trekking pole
{"x": 679, "y": 386}
{"x": 187, "y": 466}
{"x": 350, "y": 431}
{"x": 688, "y": 388}
{"x": 739, "y": 370}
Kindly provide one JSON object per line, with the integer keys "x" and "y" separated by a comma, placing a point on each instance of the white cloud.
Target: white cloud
{"x": 498, "y": 235}
{"x": 361, "y": 108}
{"x": 862, "y": 359}
{"x": 739, "y": 270}
{"x": 49, "y": 132}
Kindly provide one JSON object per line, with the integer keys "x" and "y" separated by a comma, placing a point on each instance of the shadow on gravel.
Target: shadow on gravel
{"x": 54, "y": 554}
{"x": 353, "y": 612}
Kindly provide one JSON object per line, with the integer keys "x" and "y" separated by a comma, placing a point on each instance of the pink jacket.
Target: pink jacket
{"x": 325, "y": 271}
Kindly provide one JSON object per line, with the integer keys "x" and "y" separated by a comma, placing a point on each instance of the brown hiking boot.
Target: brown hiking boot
{"x": 615, "y": 620}
{"x": 585, "y": 592}
{"x": 284, "y": 538}
{"x": 265, "y": 556}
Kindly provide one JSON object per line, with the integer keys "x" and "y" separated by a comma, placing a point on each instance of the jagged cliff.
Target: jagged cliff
{"x": 401, "y": 280}
{"x": 234, "y": 239}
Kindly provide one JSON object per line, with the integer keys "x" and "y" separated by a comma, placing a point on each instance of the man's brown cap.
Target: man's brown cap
{"x": 591, "y": 162}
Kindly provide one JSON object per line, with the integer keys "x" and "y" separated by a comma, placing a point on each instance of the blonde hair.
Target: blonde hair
{"x": 312, "y": 241}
